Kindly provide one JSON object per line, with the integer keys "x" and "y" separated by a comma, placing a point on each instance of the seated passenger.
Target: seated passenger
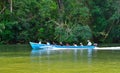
{"x": 81, "y": 44}
{"x": 61, "y": 43}
{"x": 39, "y": 42}
{"x": 74, "y": 44}
{"x": 89, "y": 43}
{"x": 95, "y": 44}
{"x": 48, "y": 43}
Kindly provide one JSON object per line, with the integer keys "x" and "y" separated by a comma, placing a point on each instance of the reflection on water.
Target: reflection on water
{"x": 90, "y": 55}
{"x": 19, "y": 59}
{"x": 75, "y": 55}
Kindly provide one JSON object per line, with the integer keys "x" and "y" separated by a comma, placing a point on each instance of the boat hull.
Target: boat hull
{"x": 37, "y": 46}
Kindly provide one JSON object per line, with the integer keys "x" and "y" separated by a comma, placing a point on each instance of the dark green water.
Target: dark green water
{"x": 21, "y": 59}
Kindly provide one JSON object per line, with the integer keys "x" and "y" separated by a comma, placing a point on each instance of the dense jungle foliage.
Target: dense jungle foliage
{"x": 69, "y": 21}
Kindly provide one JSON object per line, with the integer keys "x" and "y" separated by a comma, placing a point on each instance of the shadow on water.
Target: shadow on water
{"x": 15, "y": 50}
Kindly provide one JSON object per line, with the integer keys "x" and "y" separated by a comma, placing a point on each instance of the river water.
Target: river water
{"x": 21, "y": 59}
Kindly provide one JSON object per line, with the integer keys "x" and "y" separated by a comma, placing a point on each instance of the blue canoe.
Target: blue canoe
{"x": 37, "y": 46}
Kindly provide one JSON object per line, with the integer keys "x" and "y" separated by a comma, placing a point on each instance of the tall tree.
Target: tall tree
{"x": 60, "y": 10}
{"x": 11, "y": 5}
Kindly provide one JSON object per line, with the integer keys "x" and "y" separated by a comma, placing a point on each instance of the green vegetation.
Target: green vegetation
{"x": 22, "y": 21}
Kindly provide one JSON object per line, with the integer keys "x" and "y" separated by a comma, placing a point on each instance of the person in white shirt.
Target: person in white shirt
{"x": 39, "y": 42}
{"x": 48, "y": 43}
{"x": 81, "y": 44}
{"x": 74, "y": 44}
{"x": 89, "y": 43}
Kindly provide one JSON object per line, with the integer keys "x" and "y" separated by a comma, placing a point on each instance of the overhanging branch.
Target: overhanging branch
{"x": 2, "y": 10}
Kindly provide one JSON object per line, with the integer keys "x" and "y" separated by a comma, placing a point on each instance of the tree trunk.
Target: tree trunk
{"x": 10, "y": 2}
{"x": 60, "y": 10}
{"x": 2, "y": 10}
{"x": 11, "y": 6}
